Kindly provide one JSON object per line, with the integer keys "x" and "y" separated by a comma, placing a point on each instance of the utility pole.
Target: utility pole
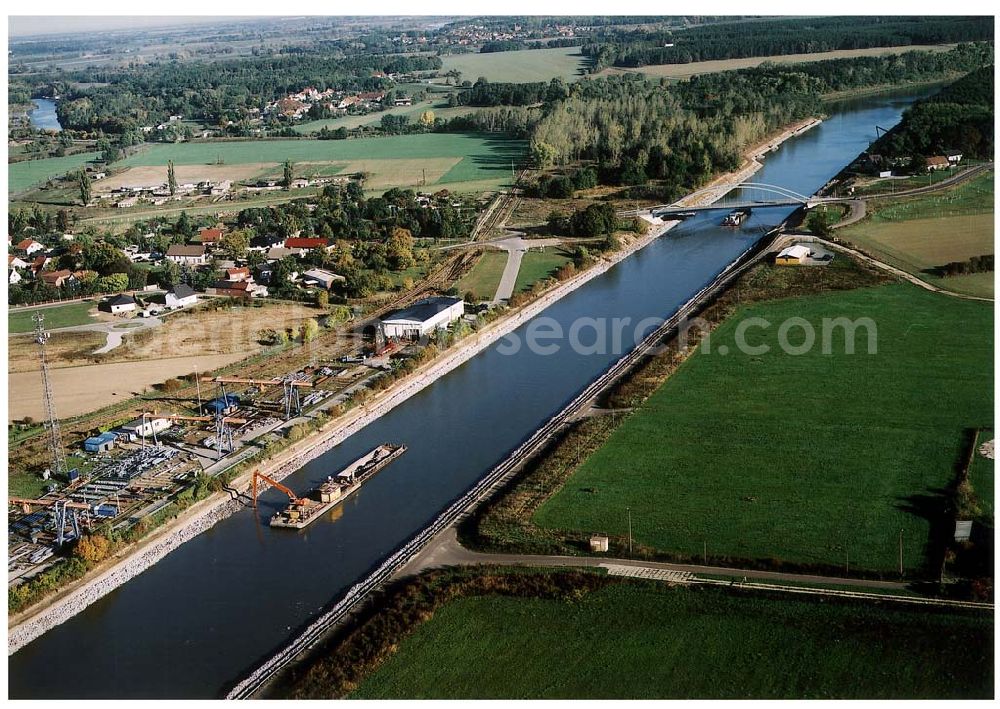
{"x": 901, "y": 552}
{"x": 56, "y": 455}
{"x": 197, "y": 381}
{"x": 629, "y": 511}
{"x": 704, "y": 552}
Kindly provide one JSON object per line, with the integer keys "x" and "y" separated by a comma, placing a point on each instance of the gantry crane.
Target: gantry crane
{"x": 63, "y": 512}
{"x": 290, "y": 389}
{"x": 222, "y": 430}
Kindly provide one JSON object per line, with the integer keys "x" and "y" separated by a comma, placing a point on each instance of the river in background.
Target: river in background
{"x": 212, "y": 610}
{"x": 44, "y": 116}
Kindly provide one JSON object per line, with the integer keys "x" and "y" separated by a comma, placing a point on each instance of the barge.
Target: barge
{"x": 303, "y": 511}
{"x": 737, "y": 216}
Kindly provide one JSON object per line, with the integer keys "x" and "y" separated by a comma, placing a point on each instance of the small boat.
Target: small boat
{"x": 737, "y": 216}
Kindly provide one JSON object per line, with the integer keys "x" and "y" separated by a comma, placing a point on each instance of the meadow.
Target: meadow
{"x": 28, "y": 173}
{"x": 818, "y": 460}
{"x": 521, "y": 66}
{"x": 923, "y": 233}
{"x": 440, "y": 110}
{"x": 446, "y": 159}
{"x": 639, "y": 640}
{"x": 57, "y": 316}
{"x": 539, "y": 264}
{"x": 684, "y": 71}
{"x": 482, "y": 280}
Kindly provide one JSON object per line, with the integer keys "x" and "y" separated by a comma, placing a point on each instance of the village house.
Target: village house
{"x": 322, "y": 278}
{"x": 307, "y": 242}
{"x": 30, "y": 246}
{"x": 16, "y": 262}
{"x": 237, "y": 289}
{"x": 14, "y": 277}
{"x": 189, "y": 255}
{"x": 180, "y": 296}
{"x": 938, "y": 162}
{"x": 118, "y": 304}
{"x": 208, "y": 235}
{"x": 238, "y": 274}
{"x": 58, "y": 279}
{"x": 39, "y": 264}
{"x": 954, "y": 156}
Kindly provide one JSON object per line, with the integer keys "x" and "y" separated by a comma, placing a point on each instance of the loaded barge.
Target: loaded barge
{"x": 737, "y": 216}
{"x": 303, "y": 511}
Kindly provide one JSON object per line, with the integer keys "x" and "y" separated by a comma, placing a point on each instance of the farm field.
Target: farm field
{"x": 56, "y": 316}
{"x": 523, "y": 65}
{"x": 807, "y": 459}
{"x": 482, "y": 280}
{"x": 185, "y": 342}
{"x": 536, "y": 265}
{"x": 920, "y": 234}
{"x": 28, "y": 173}
{"x": 441, "y": 110}
{"x": 981, "y": 475}
{"x": 640, "y": 641}
{"x": 395, "y": 160}
{"x": 684, "y": 71}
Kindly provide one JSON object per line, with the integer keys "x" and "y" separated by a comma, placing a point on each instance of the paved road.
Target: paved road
{"x": 445, "y": 550}
{"x": 856, "y": 212}
{"x": 516, "y": 247}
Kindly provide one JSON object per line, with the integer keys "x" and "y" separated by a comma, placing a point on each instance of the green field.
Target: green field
{"x": 25, "y": 174}
{"x": 537, "y": 265}
{"x": 981, "y": 476}
{"x": 923, "y": 233}
{"x": 484, "y": 277}
{"x": 521, "y": 66}
{"x": 637, "y": 641}
{"x": 458, "y": 158}
{"x": 441, "y": 110}
{"x": 809, "y": 458}
{"x": 56, "y": 316}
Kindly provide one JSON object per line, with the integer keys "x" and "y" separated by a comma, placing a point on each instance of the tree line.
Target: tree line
{"x": 775, "y": 37}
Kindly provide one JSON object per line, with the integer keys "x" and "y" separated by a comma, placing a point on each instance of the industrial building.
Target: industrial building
{"x": 100, "y": 444}
{"x": 423, "y": 318}
{"x": 142, "y": 427}
{"x": 792, "y": 255}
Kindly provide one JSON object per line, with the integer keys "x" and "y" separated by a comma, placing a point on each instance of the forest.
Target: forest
{"x": 212, "y": 92}
{"x": 959, "y": 117}
{"x": 636, "y": 130}
{"x": 774, "y": 37}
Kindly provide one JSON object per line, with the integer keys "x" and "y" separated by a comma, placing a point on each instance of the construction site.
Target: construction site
{"x": 116, "y": 479}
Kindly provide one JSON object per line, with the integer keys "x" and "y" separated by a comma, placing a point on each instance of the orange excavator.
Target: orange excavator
{"x": 295, "y": 499}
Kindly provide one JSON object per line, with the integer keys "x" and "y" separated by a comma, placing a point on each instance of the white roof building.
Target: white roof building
{"x": 423, "y": 317}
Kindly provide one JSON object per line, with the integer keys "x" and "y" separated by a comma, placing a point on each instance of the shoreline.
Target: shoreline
{"x": 76, "y": 597}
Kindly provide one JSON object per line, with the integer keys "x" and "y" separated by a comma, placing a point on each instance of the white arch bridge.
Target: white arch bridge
{"x": 743, "y": 194}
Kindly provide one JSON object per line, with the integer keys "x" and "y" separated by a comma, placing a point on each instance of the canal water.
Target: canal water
{"x": 209, "y": 612}
{"x": 44, "y": 117}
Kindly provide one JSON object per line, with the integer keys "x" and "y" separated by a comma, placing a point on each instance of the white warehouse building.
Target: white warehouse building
{"x": 423, "y": 318}
{"x": 141, "y": 428}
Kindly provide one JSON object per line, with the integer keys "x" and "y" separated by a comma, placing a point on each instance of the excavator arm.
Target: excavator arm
{"x": 257, "y": 475}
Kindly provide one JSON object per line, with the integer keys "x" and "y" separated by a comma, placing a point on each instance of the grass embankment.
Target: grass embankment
{"x": 482, "y": 280}
{"x": 922, "y": 234}
{"x": 558, "y": 635}
{"x": 484, "y": 277}
{"x": 27, "y": 173}
{"x": 775, "y": 460}
{"x": 57, "y": 316}
{"x": 539, "y": 265}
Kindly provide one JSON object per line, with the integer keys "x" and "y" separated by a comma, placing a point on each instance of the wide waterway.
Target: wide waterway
{"x": 210, "y": 611}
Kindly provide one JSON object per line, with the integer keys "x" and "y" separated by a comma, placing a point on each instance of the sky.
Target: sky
{"x": 25, "y": 26}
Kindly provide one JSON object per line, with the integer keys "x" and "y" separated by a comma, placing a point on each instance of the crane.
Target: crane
{"x": 257, "y": 475}
{"x": 290, "y": 388}
{"x": 55, "y": 444}
{"x": 63, "y": 512}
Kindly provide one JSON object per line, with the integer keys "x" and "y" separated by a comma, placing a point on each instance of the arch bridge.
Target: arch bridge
{"x": 743, "y": 194}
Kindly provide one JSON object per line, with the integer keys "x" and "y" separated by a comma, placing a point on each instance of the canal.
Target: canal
{"x": 44, "y": 116}
{"x": 212, "y": 610}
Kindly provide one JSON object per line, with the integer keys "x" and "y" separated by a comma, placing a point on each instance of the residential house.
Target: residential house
{"x": 30, "y": 246}
{"x": 127, "y": 202}
{"x": 938, "y": 162}
{"x": 118, "y": 304}
{"x": 307, "y": 242}
{"x": 39, "y": 264}
{"x": 238, "y": 289}
{"x": 57, "y": 279}
{"x": 209, "y": 235}
{"x": 322, "y": 278}
{"x": 189, "y": 255}
{"x": 238, "y": 274}
{"x": 14, "y": 277}
{"x": 954, "y": 156}
{"x": 180, "y": 296}
{"x": 16, "y": 262}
